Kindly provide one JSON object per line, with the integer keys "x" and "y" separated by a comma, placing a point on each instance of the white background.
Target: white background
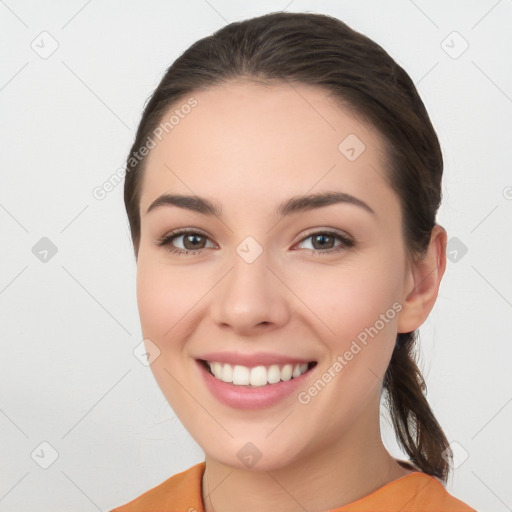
{"x": 69, "y": 325}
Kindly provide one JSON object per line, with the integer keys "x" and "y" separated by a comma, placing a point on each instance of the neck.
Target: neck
{"x": 331, "y": 477}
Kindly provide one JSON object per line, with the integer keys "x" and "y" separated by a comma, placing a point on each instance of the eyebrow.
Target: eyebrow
{"x": 293, "y": 205}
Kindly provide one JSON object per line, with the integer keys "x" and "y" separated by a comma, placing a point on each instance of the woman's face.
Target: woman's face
{"x": 267, "y": 285}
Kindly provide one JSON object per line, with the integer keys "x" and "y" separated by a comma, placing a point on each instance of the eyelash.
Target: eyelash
{"x": 167, "y": 239}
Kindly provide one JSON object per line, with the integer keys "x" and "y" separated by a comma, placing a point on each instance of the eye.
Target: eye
{"x": 324, "y": 242}
{"x": 191, "y": 241}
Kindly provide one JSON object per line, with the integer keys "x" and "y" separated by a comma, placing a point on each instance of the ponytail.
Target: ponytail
{"x": 416, "y": 428}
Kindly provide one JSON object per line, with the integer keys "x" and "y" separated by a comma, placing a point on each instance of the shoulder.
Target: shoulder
{"x": 427, "y": 493}
{"x": 179, "y": 492}
{"x": 415, "y": 492}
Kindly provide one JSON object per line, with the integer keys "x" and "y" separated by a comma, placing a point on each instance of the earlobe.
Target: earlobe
{"x": 422, "y": 284}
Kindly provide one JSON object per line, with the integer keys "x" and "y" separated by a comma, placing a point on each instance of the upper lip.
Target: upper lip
{"x": 251, "y": 360}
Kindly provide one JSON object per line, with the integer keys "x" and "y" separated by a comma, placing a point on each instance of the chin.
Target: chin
{"x": 253, "y": 456}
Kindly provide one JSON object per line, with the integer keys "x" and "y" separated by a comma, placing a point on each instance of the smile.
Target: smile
{"x": 256, "y": 376}
{"x": 254, "y": 381}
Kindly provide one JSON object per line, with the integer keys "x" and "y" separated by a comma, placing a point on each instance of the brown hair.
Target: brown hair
{"x": 320, "y": 50}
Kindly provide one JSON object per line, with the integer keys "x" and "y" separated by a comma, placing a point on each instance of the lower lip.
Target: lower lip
{"x": 242, "y": 397}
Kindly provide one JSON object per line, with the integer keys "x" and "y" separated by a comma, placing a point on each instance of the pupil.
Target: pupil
{"x": 319, "y": 238}
{"x": 191, "y": 238}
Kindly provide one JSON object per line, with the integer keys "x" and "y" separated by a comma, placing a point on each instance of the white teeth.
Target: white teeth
{"x": 286, "y": 372}
{"x": 216, "y": 369}
{"x": 258, "y": 375}
{"x": 241, "y": 376}
{"x": 273, "y": 374}
{"x": 227, "y": 373}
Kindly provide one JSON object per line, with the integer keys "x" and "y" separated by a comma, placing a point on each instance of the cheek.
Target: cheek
{"x": 154, "y": 301}
{"x": 357, "y": 309}
{"x": 351, "y": 298}
{"x": 164, "y": 298}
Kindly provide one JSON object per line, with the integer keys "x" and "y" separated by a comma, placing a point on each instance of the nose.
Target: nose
{"x": 251, "y": 297}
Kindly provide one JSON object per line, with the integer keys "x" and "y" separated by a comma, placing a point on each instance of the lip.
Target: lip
{"x": 246, "y": 397}
{"x": 251, "y": 360}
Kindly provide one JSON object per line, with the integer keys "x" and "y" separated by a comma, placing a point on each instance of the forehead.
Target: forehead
{"x": 256, "y": 139}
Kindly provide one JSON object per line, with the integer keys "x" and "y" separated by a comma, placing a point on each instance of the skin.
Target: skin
{"x": 248, "y": 147}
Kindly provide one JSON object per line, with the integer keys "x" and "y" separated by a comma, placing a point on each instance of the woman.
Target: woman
{"x": 282, "y": 194}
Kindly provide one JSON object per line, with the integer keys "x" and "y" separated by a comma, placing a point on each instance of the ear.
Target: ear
{"x": 422, "y": 283}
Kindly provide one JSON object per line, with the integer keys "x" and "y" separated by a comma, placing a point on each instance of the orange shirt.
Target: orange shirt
{"x": 415, "y": 492}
